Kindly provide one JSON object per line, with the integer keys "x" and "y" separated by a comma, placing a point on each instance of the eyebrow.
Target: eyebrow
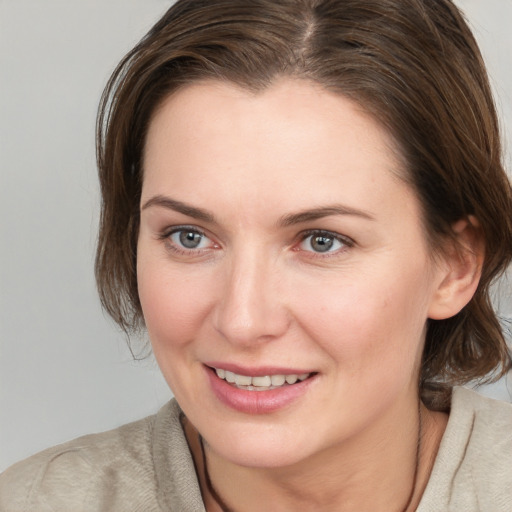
{"x": 285, "y": 221}
{"x": 319, "y": 213}
{"x": 178, "y": 206}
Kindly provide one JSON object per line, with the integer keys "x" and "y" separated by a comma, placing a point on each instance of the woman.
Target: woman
{"x": 304, "y": 205}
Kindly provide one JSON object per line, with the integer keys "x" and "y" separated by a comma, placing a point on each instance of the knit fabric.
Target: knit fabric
{"x": 147, "y": 466}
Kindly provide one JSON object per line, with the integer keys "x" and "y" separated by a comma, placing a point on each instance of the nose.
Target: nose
{"x": 251, "y": 308}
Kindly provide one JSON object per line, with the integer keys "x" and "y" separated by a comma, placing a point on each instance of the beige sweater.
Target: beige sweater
{"x": 146, "y": 466}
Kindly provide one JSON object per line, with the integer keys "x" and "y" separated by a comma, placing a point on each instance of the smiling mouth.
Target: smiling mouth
{"x": 260, "y": 383}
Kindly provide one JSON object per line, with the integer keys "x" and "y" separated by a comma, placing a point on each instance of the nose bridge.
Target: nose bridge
{"x": 251, "y": 308}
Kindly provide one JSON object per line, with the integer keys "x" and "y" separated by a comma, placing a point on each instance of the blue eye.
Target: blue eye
{"x": 189, "y": 239}
{"x": 322, "y": 242}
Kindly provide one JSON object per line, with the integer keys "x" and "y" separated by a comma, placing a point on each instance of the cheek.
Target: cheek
{"x": 368, "y": 323}
{"x": 173, "y": 303}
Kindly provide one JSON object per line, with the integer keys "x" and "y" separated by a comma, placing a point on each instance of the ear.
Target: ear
{"x": 459, "y": 270}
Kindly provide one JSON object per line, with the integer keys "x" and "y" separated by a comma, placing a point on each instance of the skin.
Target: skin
{"x": 255, "y": 293}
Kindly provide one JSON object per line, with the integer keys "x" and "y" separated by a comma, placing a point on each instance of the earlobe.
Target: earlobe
{"x": 461, "y": 270}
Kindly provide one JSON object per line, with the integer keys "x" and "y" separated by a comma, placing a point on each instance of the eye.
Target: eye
{"x": 187, "y": 239}
{"x": 323, "y": 242}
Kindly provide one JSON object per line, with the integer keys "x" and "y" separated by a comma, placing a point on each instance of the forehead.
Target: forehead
{"x": 293, "y": 142}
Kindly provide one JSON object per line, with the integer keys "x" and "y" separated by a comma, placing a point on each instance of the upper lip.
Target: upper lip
{"x": 257, "y": 371}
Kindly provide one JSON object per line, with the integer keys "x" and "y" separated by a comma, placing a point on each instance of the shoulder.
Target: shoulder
{"x": 94, "y": 472}
{"x": 486, "y": 424}
{"x": 473, "y": 468}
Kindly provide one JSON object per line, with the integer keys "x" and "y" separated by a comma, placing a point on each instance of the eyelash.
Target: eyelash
{"x": 166, "y": 238}
{"x": 345, "y": 241}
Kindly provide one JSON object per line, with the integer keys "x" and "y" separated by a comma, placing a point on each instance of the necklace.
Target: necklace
{"x": 220, "y": 502}
{"x": 417, "y": 460}
{"x": 209, "y": 484}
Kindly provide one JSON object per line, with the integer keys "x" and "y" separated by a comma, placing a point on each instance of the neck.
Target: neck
{"x": 388, "y": 474}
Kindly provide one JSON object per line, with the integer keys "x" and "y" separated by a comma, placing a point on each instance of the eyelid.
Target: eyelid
{"x": 166, "y": 234}
{"x": 343, "y": 239}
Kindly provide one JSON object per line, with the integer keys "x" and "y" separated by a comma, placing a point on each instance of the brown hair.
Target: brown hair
{"x": 412, "y": 64}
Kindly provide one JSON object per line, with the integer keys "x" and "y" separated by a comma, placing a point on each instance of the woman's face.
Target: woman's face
{"x": 277, "y": 242}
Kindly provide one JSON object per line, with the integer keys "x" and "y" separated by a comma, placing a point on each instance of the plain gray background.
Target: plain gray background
{"x": 64, "y": 368}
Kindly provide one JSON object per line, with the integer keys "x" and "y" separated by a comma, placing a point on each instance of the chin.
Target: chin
{"x": 260, "y": 457}
{"x": 259, "y": 447}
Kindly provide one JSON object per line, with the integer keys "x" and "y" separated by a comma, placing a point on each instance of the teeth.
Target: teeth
{"x": 292, "y": 379}
{"x": 243, "y": 380}
{"x": 278, "y": 380}
{"x": 261, "y": 383}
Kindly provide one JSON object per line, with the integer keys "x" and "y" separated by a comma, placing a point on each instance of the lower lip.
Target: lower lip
{"x": 257, "y": 402}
